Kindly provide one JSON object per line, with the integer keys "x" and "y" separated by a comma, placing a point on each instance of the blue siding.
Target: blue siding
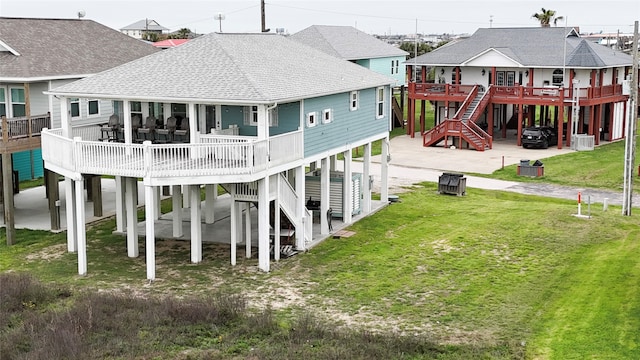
{"x": 288, "y": 119}
{"x": 384, "y": 66}
{"x": 22, "y": 163}
{"x": 347, "y": 126}
{"x": 364, "y": 63}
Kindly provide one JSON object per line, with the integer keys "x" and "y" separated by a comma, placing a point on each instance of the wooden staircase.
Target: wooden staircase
{"x": 463, "y": 124}
{"x": 398, "y": 114}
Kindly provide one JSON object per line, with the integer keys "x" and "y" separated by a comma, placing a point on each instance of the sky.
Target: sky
{"x": 382, "y": 17}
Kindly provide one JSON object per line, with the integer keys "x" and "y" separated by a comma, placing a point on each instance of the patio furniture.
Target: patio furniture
{"x": 165, "y": 135}
{"x": 147, "y": 133}
{"x": 182, "y": 134}
{"x": 109, "y": 131}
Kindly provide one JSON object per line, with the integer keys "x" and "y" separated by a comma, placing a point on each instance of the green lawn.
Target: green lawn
{"x": 489, "y": 275}
{"x": 601, "y": 168}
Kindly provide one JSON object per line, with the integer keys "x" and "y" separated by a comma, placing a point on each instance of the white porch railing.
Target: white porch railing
{"x": 213, "y": 155}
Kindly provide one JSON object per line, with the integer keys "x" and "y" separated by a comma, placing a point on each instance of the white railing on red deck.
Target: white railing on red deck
{"x": 214, "y": 155}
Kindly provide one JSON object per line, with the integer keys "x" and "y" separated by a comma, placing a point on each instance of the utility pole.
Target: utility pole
{"x": 630, "y": 141}
{"x": 263, "y": 22}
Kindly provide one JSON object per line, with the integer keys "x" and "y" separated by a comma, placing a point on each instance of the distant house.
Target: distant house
{"x": 139, "y": 28}
{"x": 349, "y": 43}
{"x": 37, "y": 55}
{"x": 503, "y": 78}
{"x": 268, "y": 131}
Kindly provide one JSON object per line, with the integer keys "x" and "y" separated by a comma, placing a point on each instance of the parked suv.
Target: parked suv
{"x": 540, "y": 137}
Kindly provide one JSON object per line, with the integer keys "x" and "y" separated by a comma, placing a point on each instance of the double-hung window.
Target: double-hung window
{"x": 74, "y": 105}
{"x": 18, "y": 107}
{"x": 380, "y": 102}
{"x": 354, "y": 96}
{"x": 93, "y": 107}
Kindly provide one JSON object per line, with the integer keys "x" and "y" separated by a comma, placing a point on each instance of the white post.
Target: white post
{"x": 120, "y": 211}
{"x": 347, "y": 189}
{"x": 80, "y": 228}
{"x": 176, "y": 201}
{"x": 193, "y": 125}
{"x": 70, "y": 191}
{"x": 234, "y": 229}
{"x": 366, "y": 184}
{"x": 186, "y": 198}
{"x": 126, "y": 108}
{"x": 196, "y": 227}
{"x": 276, "y": 222}
{"x": 211, "y": 194}
{"x": 247, "y": 229}
{"x": 150, "y": 253}
{"x": 325, "y": 196}
{"x": 384, "y": 170}
{"x": 263, "y": 224}
{"x": 132, "y": 217}
{"x": 300, "y": 216}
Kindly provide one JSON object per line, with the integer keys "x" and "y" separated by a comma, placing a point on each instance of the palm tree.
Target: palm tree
{"x": 546, "y": 17}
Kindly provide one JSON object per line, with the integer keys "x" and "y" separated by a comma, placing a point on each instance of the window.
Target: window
{"x": 394, "y": 66}
{"x": 251, "y": 116}
{"x": 74, "y": 106}
{"x": 397, "y": 66}
{"x": 511, "y": 78}
{"x": 17, "y": 102}
{"x": 380, "y": 102}
{"x": 311, "y": 119}
{"x": 500, "y": 78}
{"x": 327, "y": 116}
{"x": 558, "y": 77}
{"x": 354, "y": 101}
{"x": 3, "y": 103}
{"x": 93, "y": 107}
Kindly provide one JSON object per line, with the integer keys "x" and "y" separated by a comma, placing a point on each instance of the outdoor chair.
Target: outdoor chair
{"x": 165, "y": 135}
{"x": 147, "y": 133}
{"x": 109, "y": 131}
{"x": 182, "y": 134}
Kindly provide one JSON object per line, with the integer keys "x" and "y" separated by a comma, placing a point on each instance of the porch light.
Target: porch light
{"x": 442, "y": 71}
{"x": 483, "y": 72}
{"x": 526, "y": 73}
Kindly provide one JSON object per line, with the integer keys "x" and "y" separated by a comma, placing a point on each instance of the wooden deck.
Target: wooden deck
{"x": 22, "y": 133}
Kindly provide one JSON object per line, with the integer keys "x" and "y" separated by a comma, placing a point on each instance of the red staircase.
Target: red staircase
{"x": 463, "y": 124}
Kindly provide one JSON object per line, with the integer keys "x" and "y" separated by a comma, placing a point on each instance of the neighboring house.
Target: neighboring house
{"x": 37, "y": 55}
{"x": 514, "y": 77}
{"x": 169, "y": 43}
{"x": 139, "y": 28}
{"x": 254, "y": 127}
{"x": 349, "y": 43}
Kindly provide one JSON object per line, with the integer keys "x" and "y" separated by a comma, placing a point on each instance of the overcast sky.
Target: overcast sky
{"x": 371, "y": 16}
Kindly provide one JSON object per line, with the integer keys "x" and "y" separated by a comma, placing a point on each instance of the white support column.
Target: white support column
{"x": 120, "y": 210}
{"x": 196, "y": 226}
{"x": 218, "y": 117}
{"x": 132, "y": 217}
{"x": 193, "y": 123}
{"x": 211, "y": 195}
{"x": 333, "y": 163}
{"x": 384, "y": 170}
{"x": 300, "y": 216}
{"x": 247, "y": 229}
{"x": 347, "y": 189}
{"x": 263, "y": 224}
{"x": 150, "y": 253}
{"x": 263, "y": 122}
{"x": 126, "y": 108}
{"x": 234, "y": 229}
{"x": 70, "y": 193}
{"x": 80, "y": 228}
{"x": 176, "y": 201}
{"x": 366, "y": 184}
{"x": 325, "y": 195}
{"x": 276, "y": 222}
{"x": 202, "y": 119}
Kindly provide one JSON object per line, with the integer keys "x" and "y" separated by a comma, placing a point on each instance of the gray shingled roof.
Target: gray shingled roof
{"x": 250, "y": 68}
{"x": 60, "y": 48}
{"x": 145, "y": 24}
{"x": 346, "y": 42}
{"x": 530, "y": 47}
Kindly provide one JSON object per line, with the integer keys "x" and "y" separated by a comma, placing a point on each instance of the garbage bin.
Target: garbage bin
{"x": 535, "y": 170}
{"x": 452, "y": 183}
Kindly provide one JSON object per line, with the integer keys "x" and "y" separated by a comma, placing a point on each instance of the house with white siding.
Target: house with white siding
{"x": 260, "y": 115}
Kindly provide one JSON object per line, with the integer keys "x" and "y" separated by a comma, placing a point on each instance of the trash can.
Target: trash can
{"x": 535, "y": 170}
{"x": 452, "y": 183}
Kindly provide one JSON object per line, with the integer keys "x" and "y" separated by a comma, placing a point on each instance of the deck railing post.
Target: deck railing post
{"x": 148, "y": 157}
{"x": 5, "y": 129}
